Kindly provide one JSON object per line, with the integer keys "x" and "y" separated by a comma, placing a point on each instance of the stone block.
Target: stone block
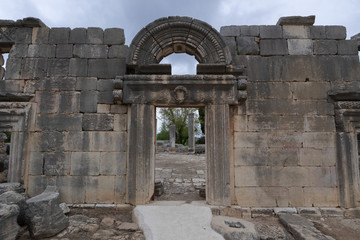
{"x": 120, "y": 123}
{"x": 8, "y": 221}
{"x": 78, "y": 35}
{"x": 240, "y": 123}
{"x": 247, "y": 46}
{"x": 296, "y": 20}
{"x": 310, "y": 90}
{"x": 57, "y": 83}
{"x": 100, "y": 189}
{"x": 114, "y": 36}
{"x": 250, "y": 139}
{"x": 33, "y": 68}
{"x": 309, "y": 211}
{"x": 37, "y": 185}
{"x": 317, "y": 196}
{"x": 59, "y": 35}
{"x": 59, "y": 122}
{"x": 85, "y": 83}
{"x": 261, "y": 196}
{"x": 230, "y": 31}
{"x": 296, "y": 196}
{"x": 332, "y": 212}
{"x": 106, "y": 68}
{"x": 319, "y": 124}
{"x": 273, "y": 47}
{"x": 44, "y": 217}
{"x": 69, "y": 102}
{"x": 64, "y": 50}
{"x": 293, "y": 31}
{"x": 317, "y": 157}
{"x": 68, "y": 185}
{"x": 45, "y": 51}
{"x": 35, "y": 163}
{"x": 335, "y": 32}
{"x": 58, "y": 67}
{"x": 265, "y": 90}
{"x": 300, "y": 46}
{"x": 283, "y": 157}
{"x": 282, "y": 140}
{"x": 17, "y": 51}
{"x": 85, "y": 163}
{"x": 347, "y": 47}
{"x": 251, "y": 31}
{"x": 317, "y": 32}
{"x": 95, "y": 35}
{"x": 322, "y": 176}
{"x": 90, "y": 51}
{"x": 106, "y": 97}
{"x": 325, "y": 47}
{"x": 23, "y": 35}
{"x": 319, "y": 140}
{"x": 13, "y": 68}
{"x": 231, "y": 43}
{"x": 105, "y": 85}
{"x": 251, "y": 156}
{"x": 113, "y": 163}
{"x": 47, "y": 102}
{"x": 12, "y": 85}
{"x": 78, "y": 67}
{"x": 118, "y": 51}
{"x": 57, "y": 163}
{"x": 271, "y": 32}
{"x": 120, "y": 189}
{"x": 40, "y": 35}
{"x": 14, "y": 186}
{"x": 51, "y": 141}
{"x": 88, "y": 101}
{"x": 103, "y": 108}
{"x": 121, "y": 109}
{"x": 271, "y": 107}
{"x": 98, "y": 122}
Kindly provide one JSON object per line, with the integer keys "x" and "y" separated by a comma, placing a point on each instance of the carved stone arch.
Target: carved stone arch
{"x": 178, "y": 35}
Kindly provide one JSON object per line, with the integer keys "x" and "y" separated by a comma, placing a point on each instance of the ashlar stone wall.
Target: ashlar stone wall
{"x": 78, "y": 140}
{"x": 284, "y": 133}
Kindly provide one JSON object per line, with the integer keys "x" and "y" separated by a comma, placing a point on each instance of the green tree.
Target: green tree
{"x": 179, "y": 118}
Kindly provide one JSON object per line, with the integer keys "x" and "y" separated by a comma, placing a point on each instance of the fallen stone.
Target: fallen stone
{"x": 107, "y": 221}
{"x": 284, "y": 210}
{"x": 18, "y": 199}
{"x": 234, "y": 228}
{"x": 297, "y": 20}
{"x": 332, "y": 212}
{"x": 44, "y": 216}
{"x": 126, "y": 226}
{"x": 64, "y": 208}
{"x": 16, "y": 187}
{"x": 301, "y": 228}
{"x": 8, "y": 221}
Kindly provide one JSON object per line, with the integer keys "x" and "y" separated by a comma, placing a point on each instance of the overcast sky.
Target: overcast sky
{"x": 132, "y": 15}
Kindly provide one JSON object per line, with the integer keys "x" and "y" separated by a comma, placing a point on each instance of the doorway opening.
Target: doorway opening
{"x": 180, "y": 164}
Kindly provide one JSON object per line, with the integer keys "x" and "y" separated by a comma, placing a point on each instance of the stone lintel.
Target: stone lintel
{"x": 190, "y": 90}
{"x": 345, "y": 95}
{"x": 297, "y": 20}
{"x": 155, "y": 69}
{"x": 15, "y": 97}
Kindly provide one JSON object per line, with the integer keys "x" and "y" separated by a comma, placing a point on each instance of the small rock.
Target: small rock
{"x": 64, "y": 208}
{"x": 126, "y": 226}
{"x": 107, "y": 221}
{"x": 234, "y": 228}
{"x": 90, "y": 227}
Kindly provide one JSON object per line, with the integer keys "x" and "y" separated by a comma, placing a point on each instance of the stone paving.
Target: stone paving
{"x": 182, "y": 174}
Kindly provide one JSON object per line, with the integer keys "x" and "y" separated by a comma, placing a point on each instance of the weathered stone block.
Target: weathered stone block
{"x": 273, "y": 47}
{"x": 283, "y": 157}
{"x": 64, "y": 50}
{"x": 103, "y": 108}
{"x": 275, "y": 122}
{"x": 59, "y": 35}
{"x": 69, "y": 102}
{"x": 319, "y": 140}
{"x": 18, "y": 199}
{"x": 288, "y": 140}
{"x": 121, "y": 109}
{"x": 113, "y": 163}
{"x": 240, "y": 123}
{"x": 317, "y": 196}
{"x": 23, "y": 35}
{"x": 78, "y": 67}
{"x": 12, "y": 85}
{"x": 120, "y": 189}
{"x": 250, "y": 139}
{"x": 317, "y": 157}
{"x": 46, "y": 51}
{"x": 8, "y": 221}
{"x": 105, "y": 85}
{"x": 78, "y": 35}
{"x": 17, "y": 51}
{"x": 300, "y": 46}
{"x": 262, "y": 196}
{"x": 231, "y": 43}
{"x": 265, "y": 90}
{"x": 118, "y": 51}
{"x": 230, "y": 31}
{"x": 35, "y": 163}
{"x": 95, "y": 35}
{"x": 40, "y": 35}
{"x": 44, "y": 216}
{"x": 90, "y": 51}
{"x": 247, "y": 46}
{"x": 68, "y": 185}
{"x": 57, "y": 83}
{"x": 114, "y": 36}
{"x": 98, "y": 122}
{"x": 13, "y": 186}
{"x": 335, "y": 32}
{"x": 325, "y": 47}
{"x": 88, "y": 101}
{"x": 86, "y": 83}
{"x": 347, "y": 47}
{"x": 319, "y": 124}
{"x": 13, "y": 68}
{"x": 57, "y": 163}
{"x": 120, "y": 123}
{"x": 51, "y": 141}
{"x": 271, "y": 32}
{"x": 271, "y": 106}
{"x": 85, "y": 163}
{"x": 251, "y": 31}
{"x": 100, "y": 189}
{"x": 251, "y": 156}
{"x": 317, "y": 32}
{"x": 33, "y": 68}
{"x": 59, "y": 122}
{"x": 106, "y": 97}
{"x": 310, "y": 90}
{"x": 293, "y": 31}
{"x": 48, "y": 102}
{"x": 58, "y": 67}
{"x": 37, "y": 185}
{"x": 106, "y": 68}
{"x": 296, "y": 20}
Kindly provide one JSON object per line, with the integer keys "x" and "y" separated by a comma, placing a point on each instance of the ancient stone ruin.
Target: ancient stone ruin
{"x": 281, "y": 106}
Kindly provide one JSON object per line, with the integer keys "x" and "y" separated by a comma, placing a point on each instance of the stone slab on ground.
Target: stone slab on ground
{"x": 301, "y": 228}
{"x": 234, "y": 228}
{"x": 176, "y": 222}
